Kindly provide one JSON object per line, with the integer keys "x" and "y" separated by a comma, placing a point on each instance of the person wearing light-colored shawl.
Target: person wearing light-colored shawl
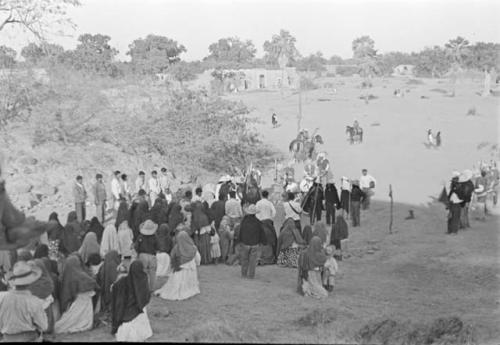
{"x": 109, "y": 240}
{"x": 89, "y": 247}
{"x": 183, "y": 283}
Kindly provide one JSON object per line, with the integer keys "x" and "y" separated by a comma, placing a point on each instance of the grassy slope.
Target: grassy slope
{"x": 417, "y": 273}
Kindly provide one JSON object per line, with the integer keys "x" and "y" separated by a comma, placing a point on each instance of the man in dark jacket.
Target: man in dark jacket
{"x": 218, "y": 209}
{"x": 331, "y": 202}
{"x": 357, "y": 197}
{"x": 251, "y": 235}
{"x": 313, "y": 202}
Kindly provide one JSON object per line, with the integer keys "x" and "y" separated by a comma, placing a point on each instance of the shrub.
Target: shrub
{"x": 347, "y": 71}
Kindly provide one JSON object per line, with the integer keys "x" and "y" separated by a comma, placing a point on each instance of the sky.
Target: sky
{"x": 328, "y": 26}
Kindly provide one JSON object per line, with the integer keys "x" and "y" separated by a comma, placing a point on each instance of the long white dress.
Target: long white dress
{"x": 163, "y": 267}
{"x": 79, "y": 317}
{"x": 182, "y": 284}
{"x": 137, "y": 330}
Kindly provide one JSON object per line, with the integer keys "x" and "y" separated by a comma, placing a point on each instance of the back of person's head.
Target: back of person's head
{"x": 117, "y": 173}
{"x": 154, "y": 173}
{"x": 291, "y": 196}
{"x": 188, "y": 194}
{"x": 124, "y": 177}
{"x": 232, "y": 194}
{"x": 265, "y": 194}
{"x": 141, "y": 192}
{"x": 142, "y": 173}
{"x": 198, "y": 191}
{"x": 79, "y": 178}
{"x": 98, "y": 176}
{"x": 163, "y": 170}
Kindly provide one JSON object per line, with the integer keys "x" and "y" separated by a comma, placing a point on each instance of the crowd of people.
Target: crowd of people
{"x": 469, "y": 190}
{"x": 105, "y": 270}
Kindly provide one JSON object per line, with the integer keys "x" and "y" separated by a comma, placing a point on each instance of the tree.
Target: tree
{"x": 182, "y": 72}
{"x": 44, "y": 53}
{"x": 431, "y": 62}
{"x": 232, "y": 49}
{"x": 7, "y": 57}
{"x": 363, "y": 48}
{"x": 312, "y": 63}
{"x": 336, "y": 60}
{"x": 40, "y": 17}
{"x": 457, "y": 50}
{"x": 281, "y": 51}
{"x": 388, "y": 61}
{"x": 484, "y": 57}
{"x": 94, "y": 54}
{"x": 154, "y": 54}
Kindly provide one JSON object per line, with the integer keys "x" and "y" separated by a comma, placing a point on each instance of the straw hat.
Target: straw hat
{"x": 252, "y": 209}
{"x": 148, "y": 228}
{"x": 225, "y": 178}
{"x": 455, "y": 174}
{"x": 24, "y": 274}
{"x": 465, "y": 176}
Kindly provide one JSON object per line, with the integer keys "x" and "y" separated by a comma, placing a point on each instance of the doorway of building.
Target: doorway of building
{"x": 262, "y": 80}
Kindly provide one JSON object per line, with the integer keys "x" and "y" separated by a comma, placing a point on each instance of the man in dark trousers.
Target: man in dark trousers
{"x": 357, "y": 197}
{"x": 99, "y": 190}
{"x": 251, "y": 235}
{"x": 467, "y": 189}
{"x": 80, "y": 195}
{"x": 331, "y": 201}
{"x": 274, "y": 120}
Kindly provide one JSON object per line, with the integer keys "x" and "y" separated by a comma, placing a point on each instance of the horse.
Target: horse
{"x": 354, "y": 135}
{"x": 303, "y": 147}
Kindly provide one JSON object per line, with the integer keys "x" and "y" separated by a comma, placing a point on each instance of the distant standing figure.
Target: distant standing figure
{"x": 154, "y": 187}
{"x": 115, "y": 190}
{"x": 80, "y": 195}
{"x": 274, "y": 120}
{"x": 100, "y": 198}
{"x": 367, "y": 184}
{"x": 438, "y": 139}
{"x": 430, "y": 138}
{"x": 357, "y": 197}
{"x": 125, "y": 192}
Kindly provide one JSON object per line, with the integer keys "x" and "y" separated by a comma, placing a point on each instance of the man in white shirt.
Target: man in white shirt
{"x": 367, "y": 185}
{"x": 154, "y": 187}
{"x": 293, "y": 210}
{"x": 140, "y": 183}
{"x": 164, "y": 181}
{"x": 265, "y": 208}
{"x": 233, "y": 210}
{"x": 115, "y": 190}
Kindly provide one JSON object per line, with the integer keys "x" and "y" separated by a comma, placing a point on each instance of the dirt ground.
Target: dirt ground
{"x": 417, "y": 274}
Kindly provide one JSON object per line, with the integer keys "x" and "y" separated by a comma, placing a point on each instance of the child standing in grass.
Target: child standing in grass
{"x": 330, "y": 269}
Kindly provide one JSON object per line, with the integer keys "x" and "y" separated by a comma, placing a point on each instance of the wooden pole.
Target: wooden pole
{"x": 392, "y": 207}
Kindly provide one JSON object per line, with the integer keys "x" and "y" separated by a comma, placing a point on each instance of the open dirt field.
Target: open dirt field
{"x": 413, "y": 276}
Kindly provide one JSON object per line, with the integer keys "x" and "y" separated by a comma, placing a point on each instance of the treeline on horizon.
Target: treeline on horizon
{"x": 159, "y": 54}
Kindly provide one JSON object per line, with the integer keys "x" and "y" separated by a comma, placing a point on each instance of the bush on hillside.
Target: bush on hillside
{"x": 347, "y": 71}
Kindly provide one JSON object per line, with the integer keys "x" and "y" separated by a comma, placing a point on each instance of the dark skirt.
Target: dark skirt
{"x": 454, "y": 218}
{"x": 289, "y": 257}
{"x": 202, "y": 242}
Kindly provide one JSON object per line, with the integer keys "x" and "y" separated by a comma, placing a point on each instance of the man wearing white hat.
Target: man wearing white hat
{"x": 147, "y": 247}
{"x": 467, "y": 188}
{"x": 22, "y": 316}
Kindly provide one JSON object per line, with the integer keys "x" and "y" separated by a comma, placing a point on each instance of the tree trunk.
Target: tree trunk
{"x": 487, "y": 83}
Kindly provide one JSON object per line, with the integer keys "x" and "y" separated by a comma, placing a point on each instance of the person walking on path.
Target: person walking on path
{"x": 80, "y": 195}
{"x": 99, "y": 190}
{"x": 367, "y": 184}
{"x": 251, "y": 235}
